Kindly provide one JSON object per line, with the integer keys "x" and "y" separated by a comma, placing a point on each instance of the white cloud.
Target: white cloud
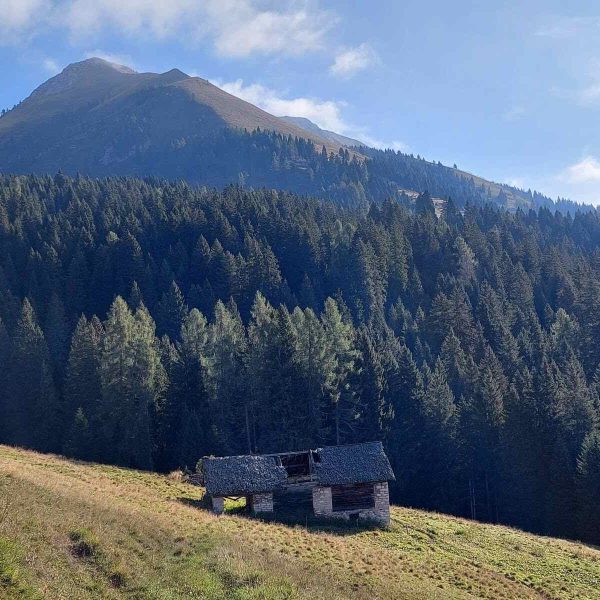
{"x": 236, "y": 28}
{"x": 516, "y": 182}
{"x": 514, "y": 113}
{"x": 561, "y": 27}
{"x": 579, "y": 181}
{"x": 18, "y": 18}
{"x": 51, "y": 66}
{"x": 240, "y": 28}
{"x": 586, "y": 97}
{"x": 586, "y": 170}
{"x": 352, "y": 60}
{"x": 327, "y": 114}
{"x": 589, "y": 95}
{"x": 117, "y": 59}
{"x": 157, "y": 18}
{"x": 377, "y": 143}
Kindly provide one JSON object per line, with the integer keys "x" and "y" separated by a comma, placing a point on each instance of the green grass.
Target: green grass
{"x": 13, "y": 575}
{"x": 75, "y": 530}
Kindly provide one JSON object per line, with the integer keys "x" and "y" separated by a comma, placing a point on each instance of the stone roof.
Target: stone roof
{"x": 333, "y": 465}
{"x": 355, "y": 463}
{"x": 239, "y": 475}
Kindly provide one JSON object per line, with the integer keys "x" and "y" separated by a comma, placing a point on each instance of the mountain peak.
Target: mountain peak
{"x": 97, "y": 62}
{"x": 93, "y": 71}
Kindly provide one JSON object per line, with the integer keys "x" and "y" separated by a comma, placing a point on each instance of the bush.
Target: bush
{"x": 178, "y": 476}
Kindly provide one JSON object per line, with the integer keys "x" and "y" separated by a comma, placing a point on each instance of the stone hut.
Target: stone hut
{"x": 344, "y": 482}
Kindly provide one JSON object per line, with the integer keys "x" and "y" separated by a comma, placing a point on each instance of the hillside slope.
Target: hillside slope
{"x": 332, "y": 136}
{"x": 76, "y": 530}
{"x": 100, "y": 118}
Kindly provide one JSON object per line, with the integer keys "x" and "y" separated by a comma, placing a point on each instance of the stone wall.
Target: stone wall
{"x": 380, "y": 513}
{"x": 322, "y": 504}
{"x": 382, "y": 501}
{"x": 262, "y": 502}
{"x": 218, "y": 504}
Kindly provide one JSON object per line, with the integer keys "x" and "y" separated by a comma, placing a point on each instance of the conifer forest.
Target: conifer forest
{"x": 147, "y": 324}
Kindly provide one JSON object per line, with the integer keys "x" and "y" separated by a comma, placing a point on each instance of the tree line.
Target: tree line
{"x": 147, "y": 323}
{"x": 352, "y": 177}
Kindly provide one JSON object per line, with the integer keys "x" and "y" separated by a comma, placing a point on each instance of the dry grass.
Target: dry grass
{"x": 76, "y": 530}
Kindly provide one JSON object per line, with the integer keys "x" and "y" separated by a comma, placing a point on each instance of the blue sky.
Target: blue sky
{"x": 507, "y": 90}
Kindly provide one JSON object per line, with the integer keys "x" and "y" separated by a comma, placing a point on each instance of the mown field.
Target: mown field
{"x": 74, "y": 530}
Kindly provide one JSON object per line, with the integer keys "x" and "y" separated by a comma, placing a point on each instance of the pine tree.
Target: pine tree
{"x": 131, "y": 373}
{"x": 171, "y": 312}
{"x": 57, "y": 333}
{"x": 82, "y": 387}
{"x": 190, "y": 433}
{"x": 227, "y": 380}
{"x": 339, "y": 338}
{"x": 275, "y": 376}
{"x": 314, "y": 365}
{"x": 439, "y": 413}
{"x": 404, "y": 439}
{"x": 371, "y": 384}
{"x": 32, "y": 404}
{"x": 79, "y": 442}
{"x": 588, "y": 488}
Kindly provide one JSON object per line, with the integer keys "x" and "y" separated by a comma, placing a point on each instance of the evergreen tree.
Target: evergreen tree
{"x": 588, "y": 487}
{"x": 188, "y": 424}
{"x": 230, "y": 402}
{"x": 339, "y": 339}
{"x": 34, "y": 420}
{"x": 171, "y": 312}
{"x": 79, "y": 442}
{"x": 129, "y": 373}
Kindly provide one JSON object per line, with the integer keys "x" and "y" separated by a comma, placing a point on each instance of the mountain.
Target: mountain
{"x": 332, "y": 136}
{"x": 90, "y": 531}
{"x": 101, "y": 118}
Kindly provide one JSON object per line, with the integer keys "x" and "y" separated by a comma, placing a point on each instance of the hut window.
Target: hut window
{"x": 358, "y": 496}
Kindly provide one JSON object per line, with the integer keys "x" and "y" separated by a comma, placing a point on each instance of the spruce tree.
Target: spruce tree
{"x": 32, "y": 416}
{"x": 230, "y": 399}
{"x": 171, "y": 311}
{"x": 339, "y": 338}
{"x": 82, "y": 387}
{"x": 588, "y": 488}
{"x": 132, "y": 380}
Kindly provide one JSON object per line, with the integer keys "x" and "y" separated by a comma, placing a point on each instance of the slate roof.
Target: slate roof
{"x": 334, "y": 465}
{"x": 356, "y": 463}
{"x": 239, "y": 475}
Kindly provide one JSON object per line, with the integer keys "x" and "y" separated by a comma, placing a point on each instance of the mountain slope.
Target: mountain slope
{"x": 100, "y": 118}
{"x": 332, "y": 136}
{"x": 91, "y": 531}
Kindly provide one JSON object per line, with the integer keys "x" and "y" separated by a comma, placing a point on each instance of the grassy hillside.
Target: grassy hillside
{"x": 74, "y": 530}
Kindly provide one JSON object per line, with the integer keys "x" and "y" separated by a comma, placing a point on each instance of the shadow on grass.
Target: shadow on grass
{"x": 202, "y": 503}
{"x": 291, "y": 518}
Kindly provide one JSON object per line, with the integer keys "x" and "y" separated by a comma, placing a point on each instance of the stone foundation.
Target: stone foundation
{"x": 262, "y": 503}
{"x": 218, "y": 505}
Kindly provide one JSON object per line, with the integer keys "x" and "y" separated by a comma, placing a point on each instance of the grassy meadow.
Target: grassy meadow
{"x": 71, "y": 530}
